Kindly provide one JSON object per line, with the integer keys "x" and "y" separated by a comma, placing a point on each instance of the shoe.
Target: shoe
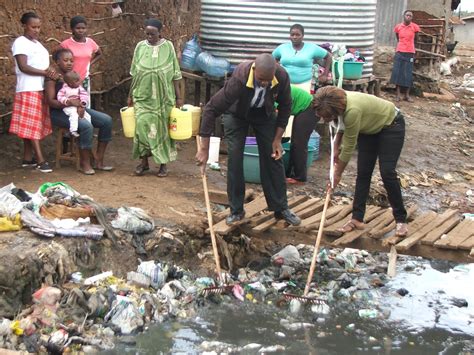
{"x": 234, "y": 217}
{"x": 87, "y": 172}
{"x": 140, "y": 169}
{"x": 288, "y": 216}
{"x": 29, "y": 163}
{"x": 44, "y": 167}
{"x": 74, "y": 134}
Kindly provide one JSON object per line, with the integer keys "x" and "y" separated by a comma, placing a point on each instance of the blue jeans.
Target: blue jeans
{"x": 99, "y": 120}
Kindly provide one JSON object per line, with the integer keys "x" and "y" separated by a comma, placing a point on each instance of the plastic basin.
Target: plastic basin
{"x": 352, "y": 70}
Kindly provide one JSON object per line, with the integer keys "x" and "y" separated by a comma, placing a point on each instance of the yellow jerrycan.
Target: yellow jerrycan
{"x": 180, "y": 125}
{"x": 196, "y": 117}
{"x": 128, "y": 121}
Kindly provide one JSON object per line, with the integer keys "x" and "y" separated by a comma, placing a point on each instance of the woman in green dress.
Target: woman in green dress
{"x": 154, "y": 91}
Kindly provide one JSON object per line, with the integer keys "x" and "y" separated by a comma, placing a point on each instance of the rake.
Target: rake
{"x": 305, "y": 298}
{"x": 212, "y": 289}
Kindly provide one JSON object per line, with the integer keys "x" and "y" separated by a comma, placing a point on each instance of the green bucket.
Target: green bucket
{"x": 352, "y": 70}
{"x": 251, "y": 164}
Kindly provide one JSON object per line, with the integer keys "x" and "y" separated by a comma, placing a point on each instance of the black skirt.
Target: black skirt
{"x": 402, "y": 72}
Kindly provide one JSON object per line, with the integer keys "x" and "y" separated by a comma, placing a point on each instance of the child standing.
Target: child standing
{"x": 72, "y": 89}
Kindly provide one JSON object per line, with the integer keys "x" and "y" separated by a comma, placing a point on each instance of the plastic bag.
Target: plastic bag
{"x": 133, "y": 220}
{"x": 61, "y": 186}
{"x": 8, "y": 224}
{"x": 9, "y": 205}
{"x": 125, "y": 315}
{"x": 157, "y": 273}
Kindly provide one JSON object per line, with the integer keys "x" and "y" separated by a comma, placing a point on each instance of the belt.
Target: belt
{"x": 396, "y": 119}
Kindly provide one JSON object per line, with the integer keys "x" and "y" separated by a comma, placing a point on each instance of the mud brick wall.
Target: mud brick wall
{"x": 116, "y": 36}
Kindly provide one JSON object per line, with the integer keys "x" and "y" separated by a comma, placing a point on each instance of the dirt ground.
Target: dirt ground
{"x": 436, "y": 167}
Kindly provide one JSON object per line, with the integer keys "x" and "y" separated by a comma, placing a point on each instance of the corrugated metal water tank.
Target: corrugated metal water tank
{"x": 240, "y": 30}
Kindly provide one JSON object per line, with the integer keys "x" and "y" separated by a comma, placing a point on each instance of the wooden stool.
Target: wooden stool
{"x": 72, "y": 153}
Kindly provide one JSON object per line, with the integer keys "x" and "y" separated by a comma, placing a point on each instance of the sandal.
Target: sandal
{"x": 349, "y": 226}
{"x": 104, "y": 168}
{"x": 163, "y": 172}
{"x": 292, "y": 181}
{"x": 401, "y": 230}
{"x": 140, "y": 169}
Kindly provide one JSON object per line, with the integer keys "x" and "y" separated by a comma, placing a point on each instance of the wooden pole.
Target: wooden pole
{"x": 318, "y": 241}
{"x": 209, "y": 217}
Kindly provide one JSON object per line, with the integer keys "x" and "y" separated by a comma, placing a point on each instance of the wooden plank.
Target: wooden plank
{"x": 312, "y": 202}
{"x": 413, "y": 238}
{"x": 220, "y": 197}
{"x": 459, "y": 234}
{"x": 468, "y": 244}
{"x": 286, "y": 236}
{"x": 270, "y": 220}
{"x": 418, "y": 223}
{"x": 444, "y": 228}
{"x": 392, "y": 262}
{"x": 310, "y": 210}
{"x": 342, "y": 215}
{"x": 292, "y": 202}
{"x": 251, "y": 209}
{"x": 380, "y": 231}
{"x": 314, "y": 220}
{"x": 372, "y": 213}
{"x": 356, "y": 233}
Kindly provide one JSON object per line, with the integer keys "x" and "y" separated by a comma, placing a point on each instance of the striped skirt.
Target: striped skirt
{"x": 402, "y": 72}
{"x": 30, "y": 116}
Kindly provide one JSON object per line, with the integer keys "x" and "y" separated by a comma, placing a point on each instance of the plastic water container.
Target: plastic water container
{"x": 195, "y": 116}
{"x": 190, "y": 52}
{"x": 180, "y": 124}
{"x": 214, "y": 146}
{"x": 128, "y": 121}
{"x": 314, "y": 141}
{"x": 211, "y": 65}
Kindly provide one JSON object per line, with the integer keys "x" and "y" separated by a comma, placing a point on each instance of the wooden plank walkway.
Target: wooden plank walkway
{"x": 431, "y": 235}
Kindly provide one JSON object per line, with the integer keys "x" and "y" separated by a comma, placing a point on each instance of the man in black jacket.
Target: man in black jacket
{"x": 249, "y": 96}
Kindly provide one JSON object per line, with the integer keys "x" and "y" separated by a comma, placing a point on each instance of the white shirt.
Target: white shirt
{"x": 37, "y": 57}
{"x": 258, "y": 89}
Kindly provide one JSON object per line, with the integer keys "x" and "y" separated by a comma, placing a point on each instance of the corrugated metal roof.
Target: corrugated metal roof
{"x": 240, "y": 30}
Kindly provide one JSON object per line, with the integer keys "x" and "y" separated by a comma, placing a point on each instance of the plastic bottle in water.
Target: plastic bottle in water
{"x": 190, "y": 52}
{"x": 211, "y": 65}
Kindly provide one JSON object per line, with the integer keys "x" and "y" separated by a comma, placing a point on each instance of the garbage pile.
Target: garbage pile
{"x": 56, "y": 209}
{"x": 90, "y": 312}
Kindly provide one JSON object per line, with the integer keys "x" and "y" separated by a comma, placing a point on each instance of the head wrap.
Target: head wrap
{"x": 154, "y": 23}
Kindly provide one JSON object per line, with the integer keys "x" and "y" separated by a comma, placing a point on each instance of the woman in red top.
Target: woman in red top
{"x": 402, "y": 72}
{"x": 85, "y": 50}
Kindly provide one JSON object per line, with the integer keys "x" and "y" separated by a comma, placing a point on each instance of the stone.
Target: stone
{"x": 402, "y": 291}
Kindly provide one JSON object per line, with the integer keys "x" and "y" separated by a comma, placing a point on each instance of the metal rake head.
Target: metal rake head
{"x": 303, "y": 299}
{"x": 216, "y": 290}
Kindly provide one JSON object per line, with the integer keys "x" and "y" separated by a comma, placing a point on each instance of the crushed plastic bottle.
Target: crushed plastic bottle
{"x": 368, "y": 313}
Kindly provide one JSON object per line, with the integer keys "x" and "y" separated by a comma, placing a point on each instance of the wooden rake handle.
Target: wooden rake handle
{"x": 209, "y": 217}
{"x": 318, "y": 241}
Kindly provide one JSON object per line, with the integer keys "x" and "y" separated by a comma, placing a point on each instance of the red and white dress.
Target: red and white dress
{"x": 30, "y": 116}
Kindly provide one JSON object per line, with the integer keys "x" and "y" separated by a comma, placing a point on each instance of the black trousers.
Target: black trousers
{"x": 303, "y": 125}
{"x": 386, "y": 146}
{"x": 272, "y": 172}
